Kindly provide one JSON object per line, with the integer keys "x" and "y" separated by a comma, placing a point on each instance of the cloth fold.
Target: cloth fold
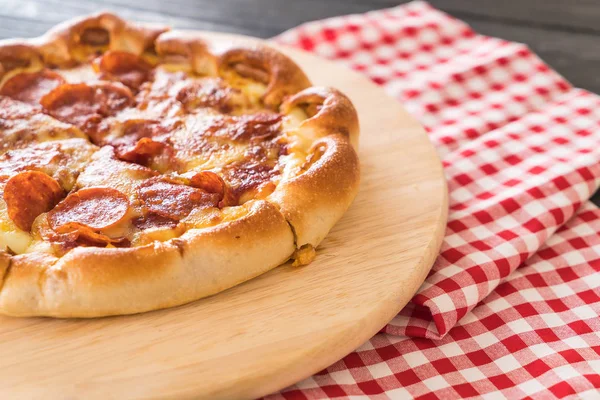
{"x": 519, "y": 145}
{"x": 536, "y": 336}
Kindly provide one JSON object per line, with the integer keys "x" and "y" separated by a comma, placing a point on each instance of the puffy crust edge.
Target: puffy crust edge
{"x": 285, "y": 77}
{"x": 93, "y": 282}
{"x": 57, "y": 46}
{"x": 335, "y": 113}
{"x": 58, "y": 43}
{"x": 313, "y": 201}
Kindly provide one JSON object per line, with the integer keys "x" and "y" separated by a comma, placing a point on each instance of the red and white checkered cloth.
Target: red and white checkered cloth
{"x": 521, "y": 151}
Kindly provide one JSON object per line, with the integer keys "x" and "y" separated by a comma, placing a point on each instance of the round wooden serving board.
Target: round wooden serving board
{"x": 281, "y": 327}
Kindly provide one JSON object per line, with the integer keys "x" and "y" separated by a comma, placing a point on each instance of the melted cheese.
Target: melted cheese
{"x": 22, "y": 125}
{"x": 298, "y": 144}
{"x": 253, "y": 90}
{"x": 200, "y": 152}
{"x": 105, "y": 170}
{"x": 83, "y": 73}
{"x": 12, "y": 238}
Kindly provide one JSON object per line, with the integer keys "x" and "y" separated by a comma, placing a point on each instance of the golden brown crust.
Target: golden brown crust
{"x": 92, "y": 282}
{"x": 17, "y": 53}
{"x": 283, "y": 76}
{"x": 103, "y": 30}
{"x": 315, "y": 200}
{"x": 329, "y": 111}
{"x": 89, "y": 282}
{"x": 187, "y": 47}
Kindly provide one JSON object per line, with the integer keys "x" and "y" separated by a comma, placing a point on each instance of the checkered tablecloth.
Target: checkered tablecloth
{"x": 510, "y": 309}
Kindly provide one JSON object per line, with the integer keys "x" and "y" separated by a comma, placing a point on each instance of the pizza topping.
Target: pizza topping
{"x": 159, "y": 94}
{"x": 220, "y": 124}
{"x": 83, "y": 105}
{"x": 124, "y": 67}
{"x": 11, "y": 110}
{"x": 96, "y": 208}
{"x": 139, "y": 151}
{"x": 106, "y": 170}
{"x": 208, "y": 181}
{"x": 313, "y": 157}
{"x": 154, "y": 221}
{"x": 28, "y": 195}
{"x": 213, "y": 183}
{"x": 30, "y": 158}
{"x": 73, "y": 234}
{"x": 173, "y": 90}
{"x": 167, "y": 198}
{"x": 137, "y": 139}
{"x": 22, "y": 123}
{"x": 30, "y": 87}
{"x": 146, "y": 142}
{"x": 252, "y": 127}
{"x": 163, "y": 84}
{"x": 207, "y": 92}
{"x": 247, "y": 177}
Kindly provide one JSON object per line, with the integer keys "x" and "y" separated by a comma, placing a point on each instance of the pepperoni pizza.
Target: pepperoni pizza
{"x": 142, "y": 168}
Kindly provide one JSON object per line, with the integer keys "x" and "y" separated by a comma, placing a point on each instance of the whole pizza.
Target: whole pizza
{"x": 142, "y": 168}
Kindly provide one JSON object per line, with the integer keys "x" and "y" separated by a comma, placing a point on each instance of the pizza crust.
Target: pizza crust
{"x": 93, "y": 282}
{"x": 315, "y": 200}
{"x": 293, "y": 220}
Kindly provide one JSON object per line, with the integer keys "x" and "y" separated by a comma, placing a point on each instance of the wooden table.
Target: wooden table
{"x": 565, "y": 33}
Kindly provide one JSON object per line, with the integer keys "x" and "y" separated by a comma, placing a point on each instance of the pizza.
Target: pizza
{"x": 143, "y": 168}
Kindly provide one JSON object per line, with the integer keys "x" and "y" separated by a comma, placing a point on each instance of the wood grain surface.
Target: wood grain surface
{"x": 564, "y": 33}
{"x": 276, "y": 329}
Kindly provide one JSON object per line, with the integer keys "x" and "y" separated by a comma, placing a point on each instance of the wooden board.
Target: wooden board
{"x": 276, "y": 329}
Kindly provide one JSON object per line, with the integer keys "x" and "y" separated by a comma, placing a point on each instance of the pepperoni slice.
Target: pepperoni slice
{"x": 95, "y": 208}
{"x": 30, "y": 87}
{"x": 28, "y": 195}
{"x": 208, "y": 181}
{"x": 213, "y": 183}
{"x": 170, "y": 199}
{"x": 124, "y": 67}
{"x": 85, "y": 105}
{"x": 145, "y": 142}
{"x": 140, "y": 151}
{"x": 78, "y": 234}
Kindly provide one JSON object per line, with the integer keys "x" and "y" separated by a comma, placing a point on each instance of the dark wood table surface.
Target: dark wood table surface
{"x": 565, "y": 33}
